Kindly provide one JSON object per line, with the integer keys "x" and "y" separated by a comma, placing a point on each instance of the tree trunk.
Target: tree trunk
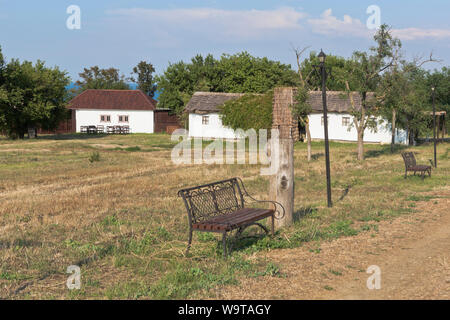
{"x": 282, "y": 182}
{"x": 360, "y": 144}
{"x": 308, "y": 139}
{"x": 393, "y": 130}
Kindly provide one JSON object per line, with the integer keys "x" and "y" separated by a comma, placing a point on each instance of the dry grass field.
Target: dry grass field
{"x": 109, "y": 205}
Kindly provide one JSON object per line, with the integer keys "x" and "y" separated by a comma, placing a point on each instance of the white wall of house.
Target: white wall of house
{"x": 140, "y": 121}
{"x": 214, "y": 128}
{"x": 337, "y": 130}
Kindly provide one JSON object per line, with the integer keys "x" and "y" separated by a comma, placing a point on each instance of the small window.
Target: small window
{"x": 105, "y": 118}
{"x": 123, "y": 118}
{"x": 328, "y": 118}
{"x": 205, "y": 119}
{"x": 345, "y": 121}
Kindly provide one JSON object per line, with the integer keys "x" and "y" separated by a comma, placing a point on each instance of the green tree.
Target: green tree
{"x": 313, "y": 79}
{"x": 31, "y": 96}
{"x": 145, "y": 81}
{"x": 96, "y": 78}
{"x": 310, "y": 79}
{"x": 2, "y": 66}
{"x": 363, "y": 75}
{"x": 405, "y": 97}
{"x": 441, "y": 80}
{"x": 243, "y": 73}
{"x": 181, "y": 80}
{"x": 239, "y": 73}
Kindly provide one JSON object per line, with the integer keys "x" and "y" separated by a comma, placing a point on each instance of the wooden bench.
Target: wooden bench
{"x": 410, "y": 165}
{"x": 221, "y": 207}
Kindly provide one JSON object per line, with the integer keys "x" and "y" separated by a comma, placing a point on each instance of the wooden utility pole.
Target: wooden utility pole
{"x": 282, "y": 181}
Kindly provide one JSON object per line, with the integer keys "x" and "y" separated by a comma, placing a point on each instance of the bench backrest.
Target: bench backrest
{"x": 213, "y": 199}
{"x": 409, "y": 158}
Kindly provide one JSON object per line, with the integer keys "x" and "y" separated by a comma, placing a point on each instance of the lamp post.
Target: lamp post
{"x": 323, "y": 73}
{"x": 433, "y": 89}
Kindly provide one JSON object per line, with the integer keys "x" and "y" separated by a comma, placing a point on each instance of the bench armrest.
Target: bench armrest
{"x": 278, "y": 207}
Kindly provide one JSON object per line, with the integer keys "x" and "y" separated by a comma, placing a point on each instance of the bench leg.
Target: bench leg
{"x": 224, "y": 244}
{"x": 189, "y": 242}
{"x": 273, "y": 225}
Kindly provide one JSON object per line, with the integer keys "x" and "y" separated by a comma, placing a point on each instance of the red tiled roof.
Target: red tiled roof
{"x": 112, "y": 99}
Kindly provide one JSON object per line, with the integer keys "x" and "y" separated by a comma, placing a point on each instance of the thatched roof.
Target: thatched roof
{"x": 202, "y": 102}
{"x": 337, "y": 101}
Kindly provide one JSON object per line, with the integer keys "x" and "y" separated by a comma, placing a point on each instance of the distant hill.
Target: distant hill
{"x": 133, "y": 86}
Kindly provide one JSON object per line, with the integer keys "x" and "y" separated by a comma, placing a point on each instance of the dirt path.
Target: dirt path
{"x": 412, "y": 252}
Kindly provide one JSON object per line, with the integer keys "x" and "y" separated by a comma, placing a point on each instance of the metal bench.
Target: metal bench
{"x": 220, "y": 207}
{"x": 410, "y": 165}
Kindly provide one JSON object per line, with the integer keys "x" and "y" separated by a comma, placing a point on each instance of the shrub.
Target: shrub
{"x": 95, "y": 156}
{"x": 249, "y": 111}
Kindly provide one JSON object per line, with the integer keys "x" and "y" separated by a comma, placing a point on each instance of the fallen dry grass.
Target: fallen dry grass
{"x": 120, "y": 220}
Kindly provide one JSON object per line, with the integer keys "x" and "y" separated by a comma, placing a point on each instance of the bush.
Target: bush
{"x": 250, "y": 111}
{"x": 95, "y": 156}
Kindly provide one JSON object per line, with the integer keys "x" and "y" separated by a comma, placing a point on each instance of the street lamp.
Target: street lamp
{"x": 323, "y": 72}
{"x": 433, "y": 89}
{"x": 322, "y": 56}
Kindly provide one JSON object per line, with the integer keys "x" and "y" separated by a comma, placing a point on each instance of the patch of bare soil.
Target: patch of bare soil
{"x": 412, "y": 252}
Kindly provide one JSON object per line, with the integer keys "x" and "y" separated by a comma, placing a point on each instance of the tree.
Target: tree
{"x": 404, "y": 96}
{"x": 31, "y": 96}
{"x": 144, "y": 80}
{"x": 239, "y": 73}
{"x": 242, "y": 73}
{"x": 441, "y": 80}
{"x": 2, "y": 66}
{"x": 309, "y": 80}
{"x": 363, "y": 76}
{"x": 302, "y": 109}
{"x": 181, "y": 80}
{"x": 96, "y": 78}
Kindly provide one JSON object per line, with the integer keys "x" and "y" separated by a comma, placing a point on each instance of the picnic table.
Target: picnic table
{"x": 109, "y": 129}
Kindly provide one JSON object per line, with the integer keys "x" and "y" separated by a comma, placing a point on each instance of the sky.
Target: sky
{"x": 120, "y": 33}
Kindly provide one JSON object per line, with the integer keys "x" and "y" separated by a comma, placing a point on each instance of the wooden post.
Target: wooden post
{"x": 282, "y": 182}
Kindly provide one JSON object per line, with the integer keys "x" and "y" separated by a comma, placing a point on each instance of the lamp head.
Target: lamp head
{"x": 322, "y": 56}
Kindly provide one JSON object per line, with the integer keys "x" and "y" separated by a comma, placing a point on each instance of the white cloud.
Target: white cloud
{"x": 228, "y": 23}
{"x": 328, "y": 24}
{"x": 418, "y": 34}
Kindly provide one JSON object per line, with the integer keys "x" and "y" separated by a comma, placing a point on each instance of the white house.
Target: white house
{"x": 204, "y": 116}
{"x": 340, "y": 121}
{"x": 114, "y": 107}
{"x": 205, "y": 122}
